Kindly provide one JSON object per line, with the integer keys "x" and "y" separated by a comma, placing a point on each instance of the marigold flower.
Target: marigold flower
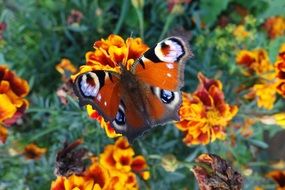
{"x": 3, "y": 134}
{"x": 65, "y": 66}
{"x": 275, "y": 119}
{"x": 108, "y": 55}
{"x": 115, "y": 50}
{"x": 119, "y": 158}
{"x": 279, "y": 177}
{"x": 265, "y": 94}
{"x": 75, "y": 182}
{"x": 58, "y": 184}
{"x": 12, "y": 92}
{"x": 204, "y": 114}
{"x": 274, "y": 26}
{"x": 254, "y": 61}
{"x": 97, "y": 175}
{"x": 32, "y": 151}
{"x": 280, "y": 71}
{"x": 280, "y": 88}
{"x": 114, "y": 169}
{"x": 124, "y": 159}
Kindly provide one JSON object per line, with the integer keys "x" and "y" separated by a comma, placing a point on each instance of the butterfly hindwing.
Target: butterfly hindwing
{"x": 101, "y": 90}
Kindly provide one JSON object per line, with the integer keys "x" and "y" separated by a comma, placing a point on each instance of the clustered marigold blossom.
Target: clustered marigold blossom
{"x": 271, "y": 79}
{"x": 254, "y": 61}
{"x": 65, "y": 67}
{"x": 33, "y": 152}
{"x": 108, "y": 55}
{"x": 278, "y": 176}
{"x": 257, "y": 62}
{"x": 280, "y": 71}
{"x": 274, "y": 26}
{"x": 114, "y": 169}
{"x": 204, "y": 114}
{"x": 13, "y": 90}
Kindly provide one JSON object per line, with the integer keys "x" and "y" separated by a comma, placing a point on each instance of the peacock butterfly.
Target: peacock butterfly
{"x": 143, "y": 96}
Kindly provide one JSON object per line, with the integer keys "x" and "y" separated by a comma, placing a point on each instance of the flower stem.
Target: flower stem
{"x": 124, "y": 10}
{"x": 141, "y": 24}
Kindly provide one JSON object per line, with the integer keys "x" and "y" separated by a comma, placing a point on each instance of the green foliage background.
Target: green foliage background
{"x": 38, "y": 36}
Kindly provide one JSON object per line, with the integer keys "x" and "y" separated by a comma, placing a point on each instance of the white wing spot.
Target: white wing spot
{"x": 174, "y": 52}
{"x": 169, "y": 65}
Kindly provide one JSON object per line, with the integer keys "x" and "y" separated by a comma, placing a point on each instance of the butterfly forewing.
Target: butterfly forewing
{"x": 101, "y": 90}
{"x": 160, "y": 75}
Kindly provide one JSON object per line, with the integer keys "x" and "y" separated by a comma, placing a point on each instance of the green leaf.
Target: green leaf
{"x": 210, "y": 10}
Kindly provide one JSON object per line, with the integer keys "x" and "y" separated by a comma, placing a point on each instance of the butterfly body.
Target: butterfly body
{"x": 144, "y": 96}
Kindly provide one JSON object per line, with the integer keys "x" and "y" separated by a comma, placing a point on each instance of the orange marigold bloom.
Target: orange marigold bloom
{"x": 119, "y": 159}
{"x": 114, "y": 169}
{"x": 280, "y": 88}
{"x": 58, "y": 184}
{"x": 274, "y": 26}
{"x": 279, "y": 177}
{"x": 97, "y": 176}
{"x": 3, "y": 134}
{"x": 108, "y": 54}
{"x": 280, "y": 71}
{"x": 32, "y": 151}
{"x": 65, "y": 66}
{"x": 204, "y": 114}
{"x": 254, "y": 61}
{"x": 265, "y": 94}
{"x": 115, "y": 51}
{"x": 12, "y": 92}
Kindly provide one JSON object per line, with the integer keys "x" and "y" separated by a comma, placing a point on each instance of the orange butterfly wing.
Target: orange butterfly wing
{"x": 99, "y": 89}
{"x": 160, "y": 75}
